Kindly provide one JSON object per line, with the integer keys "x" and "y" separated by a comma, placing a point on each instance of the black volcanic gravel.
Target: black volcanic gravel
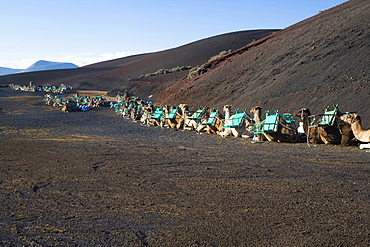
{"x": 95, "y": 179}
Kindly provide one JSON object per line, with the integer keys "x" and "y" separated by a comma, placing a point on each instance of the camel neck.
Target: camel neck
{"x": 305, "y": 124}
{"x": 357, "y": 129}
{"x": 257, "y": 117}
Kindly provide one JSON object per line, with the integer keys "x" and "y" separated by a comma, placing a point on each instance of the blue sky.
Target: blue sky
{"x": 85, "y": 32}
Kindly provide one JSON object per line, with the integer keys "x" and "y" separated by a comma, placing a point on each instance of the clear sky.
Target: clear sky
{"x": 90, "y": 31}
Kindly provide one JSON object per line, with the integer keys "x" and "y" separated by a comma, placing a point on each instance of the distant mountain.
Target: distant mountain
{"x": 8, "y": 71}
{"x": 46, "y": 65}
{"x": 38, "y": 66}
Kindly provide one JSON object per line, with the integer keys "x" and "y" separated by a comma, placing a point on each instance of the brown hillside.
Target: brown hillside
{"x": 321, "y": 61}
{"x": 121, "y": 74}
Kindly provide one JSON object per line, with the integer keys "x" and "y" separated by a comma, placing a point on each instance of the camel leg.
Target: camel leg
{"x": 225, "y": 132}
{"x": 201, "y": 127}
{"x": 235, "y": 132}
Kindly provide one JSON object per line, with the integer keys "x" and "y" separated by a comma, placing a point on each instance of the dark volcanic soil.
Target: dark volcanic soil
{"x": 95, "y": 179}
{"x": 321, "y": 61}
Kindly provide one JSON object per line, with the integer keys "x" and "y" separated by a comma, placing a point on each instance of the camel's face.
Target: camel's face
{"x": 255, "y": 109}
{"x": 227, "y": 108}
{"x": 166, "y": 108}
{"x": 184, "y": 107}
{"x": 350, "y": 118}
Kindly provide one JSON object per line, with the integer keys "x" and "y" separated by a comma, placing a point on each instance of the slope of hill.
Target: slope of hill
{"x": 121, "y": 74}
{"x": 318, "y": 62}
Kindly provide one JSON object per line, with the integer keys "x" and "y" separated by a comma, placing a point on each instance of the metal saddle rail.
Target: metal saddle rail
{"x": 323, "y": 120}
{"x": 288, "y": 117}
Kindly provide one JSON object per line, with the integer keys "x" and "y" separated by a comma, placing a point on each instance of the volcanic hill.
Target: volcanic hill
{"x": 125, "y": 73}
{"x": 319, "y": 62}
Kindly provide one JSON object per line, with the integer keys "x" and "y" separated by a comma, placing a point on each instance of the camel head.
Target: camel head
{"x": 141, "y": 102}
{"x": 227, "y": 108}
{"x": 350, "y": 118}
{"x": 255, "y": 109}
{"x": 184, "y": 108}
{"x": 166, "y": 108}
{"x": 302, "y": 113}
{"x": 149, "y": 108}
{"x": 227, "y": 111}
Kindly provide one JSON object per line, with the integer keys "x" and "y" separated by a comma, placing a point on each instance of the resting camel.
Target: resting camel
{"x": 67, "y": 107}
{"x": 211, "y": 127}
{"x": 355, "y": 121}
{"x": 256, "y": 111}
{"x": 192, "y": 121}
{"x": 339, "y": 133}
{"x": 227, "y": 114}
{"x": 173, "y": 122}
{"x": 285, "y": 132}
{"x": 182, "y": 113}
{"x": 245, "y": 129}
{"x": 146, "y": 110}
{"x": 312, "y": 133}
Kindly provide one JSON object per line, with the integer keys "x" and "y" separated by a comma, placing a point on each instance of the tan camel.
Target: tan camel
{"x": 227, "y": 113}
{"x": 312, "y": 133}
{"x": 66, "y": 108}
{"x": 193, "y": 119}
{"x": 212, "y": 126}
{"x": 355, "y": 121}
{"x": 245, "y": 127}
{"x": 257, "y": 112}
{"x": 203, "y": 123}
{"x": 278, "y": 130}
{"x": 183, "y": 112}
{"x": 339, "y": 133}
{"x": 285, "y": 132}
{"x": 146, "y": 110}
{"x": 170, "y": 120}
{"x": 150, "y": 112}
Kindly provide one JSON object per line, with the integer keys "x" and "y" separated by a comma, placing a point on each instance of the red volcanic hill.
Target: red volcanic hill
{"x": 321, "y": 61}
{"x": 124, "y": 73}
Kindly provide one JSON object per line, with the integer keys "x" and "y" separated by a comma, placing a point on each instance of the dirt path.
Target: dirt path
{"x": 94, "y": 179}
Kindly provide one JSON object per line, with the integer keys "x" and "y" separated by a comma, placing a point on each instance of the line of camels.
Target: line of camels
{"x": 332, "y": 127}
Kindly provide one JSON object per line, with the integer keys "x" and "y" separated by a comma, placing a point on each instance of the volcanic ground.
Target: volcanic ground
{"x": 95, "y": 179}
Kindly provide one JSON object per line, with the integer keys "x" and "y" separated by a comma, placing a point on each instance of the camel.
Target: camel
{"x": 172, "y": 115}
{"x": 256, "y": 111}
{"x": 154, "y": 117}
{"x": 212, "y": 122}
{"x": 67, "y": 107}
{"x": 339, "y": 133}
{"x": 245, "y": 127}
{"x": 135, "y": 109}
{"x": 191, "y": 122}
{"x": 312, "y": 133}
{"x": 275, "y": 128}
{"x": 182, "y": 113}
{"x": 355, "y": 121}
{"x": 147, "y": 110}
{"x": 227, "y": 114}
